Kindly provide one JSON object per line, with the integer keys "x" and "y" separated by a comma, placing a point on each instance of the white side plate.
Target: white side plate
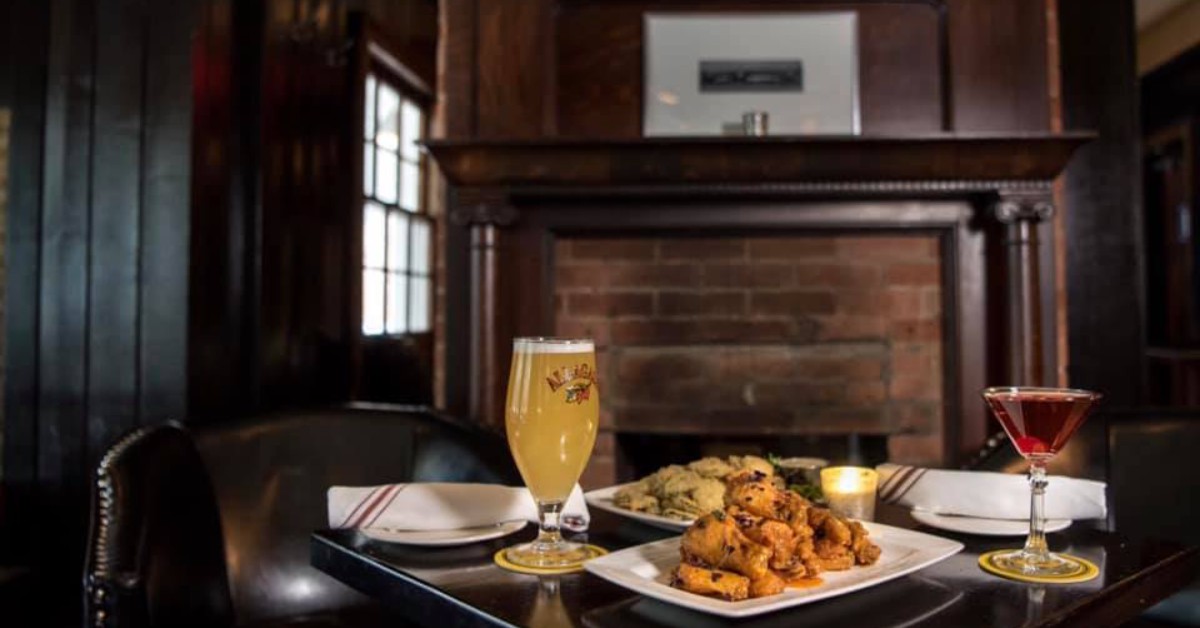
{"x": 438, "y": 538}
{"x": 646, "y": 569}
{"x": 602, "y": 498}
{"x": 984, "y": 527}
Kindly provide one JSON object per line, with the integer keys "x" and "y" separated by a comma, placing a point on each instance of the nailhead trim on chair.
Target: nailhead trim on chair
{"x": 99, "y": 581}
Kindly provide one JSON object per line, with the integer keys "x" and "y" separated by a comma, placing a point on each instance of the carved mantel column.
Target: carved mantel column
{"x": 484, "y": 212}
{"x": 1021, "y": 211}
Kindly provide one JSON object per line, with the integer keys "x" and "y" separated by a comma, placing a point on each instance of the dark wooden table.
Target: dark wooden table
{"x": 462, "y": 587}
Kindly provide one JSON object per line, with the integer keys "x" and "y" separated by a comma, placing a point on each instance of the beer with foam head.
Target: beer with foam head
{"x": 553, "y": 413}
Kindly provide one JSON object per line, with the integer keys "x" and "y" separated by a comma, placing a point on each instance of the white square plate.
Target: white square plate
{"x": 602, "y": 498}
{"x": 646, "y": 569}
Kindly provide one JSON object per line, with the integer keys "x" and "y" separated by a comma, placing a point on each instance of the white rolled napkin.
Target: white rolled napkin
{"x": 987, "y": 495}
{"x": 438, "y": 506}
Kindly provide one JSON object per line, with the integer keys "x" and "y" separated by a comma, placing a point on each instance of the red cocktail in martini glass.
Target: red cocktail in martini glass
{"x": 1039, "y": 422}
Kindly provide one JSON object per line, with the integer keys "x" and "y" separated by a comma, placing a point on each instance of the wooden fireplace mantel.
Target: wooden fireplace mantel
{"x": 944, "y": 158}
{"x": 511, "y": 197}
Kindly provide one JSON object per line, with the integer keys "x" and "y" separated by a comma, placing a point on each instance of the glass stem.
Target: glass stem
{"x": 1035, "y": 546}
{"x": 548, "y": 518}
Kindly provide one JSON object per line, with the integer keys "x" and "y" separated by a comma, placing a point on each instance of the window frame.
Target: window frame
{"x": 386, "y": 69}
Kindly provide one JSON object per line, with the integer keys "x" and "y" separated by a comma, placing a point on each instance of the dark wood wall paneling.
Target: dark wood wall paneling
{"x": 457, "y": 67}
{"x": 1170, "y": 115}
{"x": 304, "y": 331}
{"x": 27, "y": 33}
{"x": 275, "y": 226}
{"x": 998, "y": 61}
{"x": 62, "y": 333}
{"x": 166, "y": 166}
{"x": 410, "y": 28}
{"x": 457, "y": 71}
{"x": 136, "y": 296}
{"x": 1103, "y": 190}
{"x": 515, "y": 81}
{"x": 223, "y": 193}
{"x": 97, "y": 251}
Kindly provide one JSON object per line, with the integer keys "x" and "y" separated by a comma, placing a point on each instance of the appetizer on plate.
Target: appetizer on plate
{"x": 764, "y": 539}
{"x": 686, "y": 492}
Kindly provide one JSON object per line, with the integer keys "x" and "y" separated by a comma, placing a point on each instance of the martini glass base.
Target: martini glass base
{"x": 1028, "y": 565}
{"x": 560, "y": 555}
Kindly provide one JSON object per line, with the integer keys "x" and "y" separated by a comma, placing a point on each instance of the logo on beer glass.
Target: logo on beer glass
{"x": 577, "y": 380}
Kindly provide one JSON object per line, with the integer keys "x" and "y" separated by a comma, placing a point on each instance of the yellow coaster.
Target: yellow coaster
{"x": 503, "y": 562}
{"x": 1087, "y": 570}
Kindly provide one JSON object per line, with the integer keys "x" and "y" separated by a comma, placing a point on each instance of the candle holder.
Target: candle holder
{"x": 850, "y": 491}
{"x": 801, "y": 470}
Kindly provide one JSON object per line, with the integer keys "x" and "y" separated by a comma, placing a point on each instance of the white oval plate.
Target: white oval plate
{"x": 646, "y": 569}
{"x": 984, "y": 527}
{"x": 602, "y": 498}
{"x": 440, "y": 538}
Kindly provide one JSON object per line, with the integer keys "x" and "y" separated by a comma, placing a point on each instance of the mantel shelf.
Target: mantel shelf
{"x": 753, "y": 160}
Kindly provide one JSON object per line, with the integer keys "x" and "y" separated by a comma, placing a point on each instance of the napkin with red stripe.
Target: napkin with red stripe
{"x": 987, "y": 495}
{"x": 441, "y": 506}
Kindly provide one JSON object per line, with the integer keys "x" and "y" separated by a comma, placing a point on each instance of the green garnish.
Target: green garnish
{"x": 811, "y": 492}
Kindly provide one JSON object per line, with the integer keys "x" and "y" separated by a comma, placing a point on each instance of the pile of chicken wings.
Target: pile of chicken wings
{"x": 765, "y": 538}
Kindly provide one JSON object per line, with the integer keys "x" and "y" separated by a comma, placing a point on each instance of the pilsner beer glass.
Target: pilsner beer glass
{"x": 551, "y": 417}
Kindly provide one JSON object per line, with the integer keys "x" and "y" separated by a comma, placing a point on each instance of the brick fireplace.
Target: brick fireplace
{"x": 727, "y": 337}
{"x": 759, "y": 291}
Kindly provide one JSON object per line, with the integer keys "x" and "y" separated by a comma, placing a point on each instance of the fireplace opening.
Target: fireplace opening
{"x": 807, "y": 344}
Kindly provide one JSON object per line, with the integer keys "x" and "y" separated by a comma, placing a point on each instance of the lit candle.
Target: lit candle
{"x": 850, "y": 491}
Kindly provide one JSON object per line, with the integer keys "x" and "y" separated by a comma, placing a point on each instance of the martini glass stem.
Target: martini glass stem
{"x": 1035, "y": 546}
{"x": 548, "y": 519}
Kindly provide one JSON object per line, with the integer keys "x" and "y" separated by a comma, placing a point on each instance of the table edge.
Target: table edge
{"x": 316, "y": 540}
{"x": 1180, "y": 568}
{"x": 1138, "y": 591}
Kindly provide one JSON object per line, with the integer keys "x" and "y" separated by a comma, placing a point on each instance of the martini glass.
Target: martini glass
{"x": 1039, "y": 422}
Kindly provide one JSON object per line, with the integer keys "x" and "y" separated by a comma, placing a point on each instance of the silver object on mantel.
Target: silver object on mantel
{"x": 754, "y": 123}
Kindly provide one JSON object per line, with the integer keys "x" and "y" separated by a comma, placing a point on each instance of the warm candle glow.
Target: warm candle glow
{"x": 850, "y": 483}
{"x": 850, "y": 491}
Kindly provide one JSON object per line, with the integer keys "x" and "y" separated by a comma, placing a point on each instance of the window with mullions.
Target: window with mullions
{"x": 397, "y": 282}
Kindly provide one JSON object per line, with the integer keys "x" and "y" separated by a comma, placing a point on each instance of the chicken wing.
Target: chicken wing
{"x": 865, "y": 552}
{"x": 723, "y": 584}
{"x": 827, "y": 525}
{"x": 833, "y": 556}
{"x": 755, "y": 493}
{"x": 775, "y": 535}
{"x": 806, "y": 552}
{"x": 715, "y": 541}
{"x": 769, "y": 584}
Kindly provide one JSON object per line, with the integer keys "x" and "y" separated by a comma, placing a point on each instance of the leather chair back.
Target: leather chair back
{"x": 211, "y": 528}
{"x": 155, "y": 555}
{"x": 1153, "y": 475}
{"x": 271, "y": 474}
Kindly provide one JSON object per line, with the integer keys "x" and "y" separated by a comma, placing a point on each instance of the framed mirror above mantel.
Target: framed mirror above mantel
{"x": 818, "y": 213}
